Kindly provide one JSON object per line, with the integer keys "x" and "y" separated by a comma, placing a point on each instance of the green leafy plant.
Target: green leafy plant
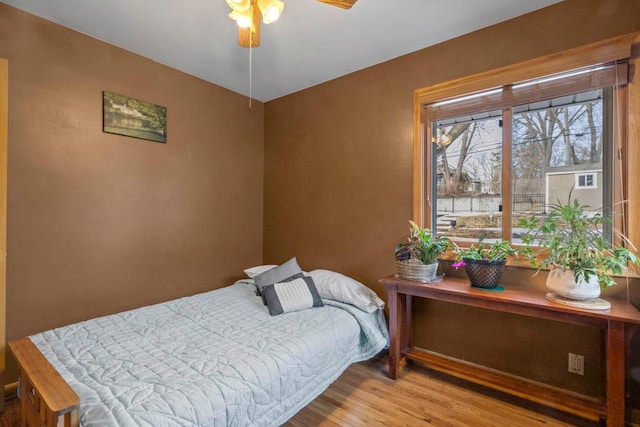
{"x": 491, "y": 252}
{"x": 571, "y": 236}
{"x": 422, "y": 245}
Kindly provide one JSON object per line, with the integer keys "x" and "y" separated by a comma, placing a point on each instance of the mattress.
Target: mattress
{"x": 212, "y": 359}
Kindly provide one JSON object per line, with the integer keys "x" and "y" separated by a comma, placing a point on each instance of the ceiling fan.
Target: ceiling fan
{"x": 247, "y": 14}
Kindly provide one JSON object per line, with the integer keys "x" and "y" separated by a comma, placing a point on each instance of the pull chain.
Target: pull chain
{"x": 250, "y": 66}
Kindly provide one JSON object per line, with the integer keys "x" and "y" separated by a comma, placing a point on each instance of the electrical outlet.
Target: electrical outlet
{"x": 576, "y": 364}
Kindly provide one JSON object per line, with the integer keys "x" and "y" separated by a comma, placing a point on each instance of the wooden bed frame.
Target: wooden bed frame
{"x": 46, "y": 398}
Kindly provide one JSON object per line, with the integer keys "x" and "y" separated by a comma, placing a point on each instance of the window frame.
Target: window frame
{"x": 625, "y": 145}
{"x": 586, "y": 185}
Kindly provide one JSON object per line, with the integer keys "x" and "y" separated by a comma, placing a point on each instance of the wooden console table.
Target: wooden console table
{"x": 528, "y": 302}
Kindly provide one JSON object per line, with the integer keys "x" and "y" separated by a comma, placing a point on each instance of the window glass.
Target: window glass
{"x": 468, "y": 179}
{"x": 587, "y": 180}
{"x": 557, "y": 151}
{"x": 498, "y": 154}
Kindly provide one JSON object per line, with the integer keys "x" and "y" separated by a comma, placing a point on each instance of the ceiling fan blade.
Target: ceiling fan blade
{"x": 345, "y": 4}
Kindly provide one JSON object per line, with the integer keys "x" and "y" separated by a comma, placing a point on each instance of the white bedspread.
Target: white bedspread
{"x": 213, "y": 359}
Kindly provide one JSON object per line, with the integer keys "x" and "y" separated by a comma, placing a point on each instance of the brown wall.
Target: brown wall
{"x": 338, "y": 181}
{"x": 100, "y": 223}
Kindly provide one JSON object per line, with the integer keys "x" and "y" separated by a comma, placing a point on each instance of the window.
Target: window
{"x": 492, "y": 148}
{"x": 555, "y": 149}
{"x": 468, "y": 200}
{"x": 586, "y": 180}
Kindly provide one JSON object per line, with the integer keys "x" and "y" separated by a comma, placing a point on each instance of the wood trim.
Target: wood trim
{"x": 615, "y": 74}
{"x": 633, "y": 147}
{"x": 418, "y": 170}
{"x": 620, "y": 163}
{"x": 4, "y": 123}
{"x": 428, "y": 179}
{"x": 597, "y": 53}
{"x": 507, "y": 169}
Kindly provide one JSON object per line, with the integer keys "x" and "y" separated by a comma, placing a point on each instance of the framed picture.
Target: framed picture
{"x": 131, "y": 117}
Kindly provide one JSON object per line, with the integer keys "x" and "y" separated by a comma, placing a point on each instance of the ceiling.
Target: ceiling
{"x": 311, "y": 42}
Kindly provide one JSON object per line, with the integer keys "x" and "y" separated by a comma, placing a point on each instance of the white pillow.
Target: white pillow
{"x": 258, "y": 269}
{"x": 338, "y": 287}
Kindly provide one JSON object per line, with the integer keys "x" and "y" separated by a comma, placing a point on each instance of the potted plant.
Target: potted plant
{"x": 570, "y": 242}
{"x": 417, "y": 259}
{"x": 484, "y": 263}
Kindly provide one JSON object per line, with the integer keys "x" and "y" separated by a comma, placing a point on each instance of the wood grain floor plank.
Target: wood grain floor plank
{"x": 364, "y": 395}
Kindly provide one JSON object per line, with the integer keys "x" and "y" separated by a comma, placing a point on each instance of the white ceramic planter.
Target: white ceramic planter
{"x": 561, "y": 282}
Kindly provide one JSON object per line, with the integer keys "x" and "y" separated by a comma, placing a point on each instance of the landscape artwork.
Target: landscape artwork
{"x": 131, "y": 117}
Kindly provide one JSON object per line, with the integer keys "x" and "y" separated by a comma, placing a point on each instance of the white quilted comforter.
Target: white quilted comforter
{"x": 213, "y": 359}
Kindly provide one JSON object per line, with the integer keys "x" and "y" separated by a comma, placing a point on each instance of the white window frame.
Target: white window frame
{"x": 593, "y": 174}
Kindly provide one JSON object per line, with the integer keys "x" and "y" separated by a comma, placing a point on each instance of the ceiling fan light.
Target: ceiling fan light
{"x": 243, "y": 19}
{"x": 244, "y": 22}
{"x": 239, "y": 5}
{"x": 271, "y": 10}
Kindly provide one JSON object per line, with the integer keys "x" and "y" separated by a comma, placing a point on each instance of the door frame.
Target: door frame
{"x": 4, "y": 124}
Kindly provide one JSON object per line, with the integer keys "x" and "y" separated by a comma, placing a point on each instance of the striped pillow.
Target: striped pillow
{"x": 281, "y": 273}
{"x": 295, "y": 295}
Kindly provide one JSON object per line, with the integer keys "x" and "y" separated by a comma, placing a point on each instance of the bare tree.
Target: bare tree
{"x": 552, "y": 137}
{"x": 449, "y": 135}
{"x": 595, "y": 141}
{"x": 536, "y": 145}
{"x": 454, "y": 177}
{"x": 566, "y": 120}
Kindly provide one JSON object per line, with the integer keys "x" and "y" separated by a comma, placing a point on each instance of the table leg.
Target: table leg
{"x": 615, "y": 373}
{"x": 394, "y": 333}
{"x": 407, "y": 325}
{"x": 397, "y": 329}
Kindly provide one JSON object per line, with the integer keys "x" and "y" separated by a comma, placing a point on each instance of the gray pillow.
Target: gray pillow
{"x": 288, "y": 279}
{"x": 294, "y": 295}
{"x": 277, "y": 274}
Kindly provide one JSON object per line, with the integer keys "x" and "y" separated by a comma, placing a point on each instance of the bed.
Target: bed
{"x": 213, "y": 359}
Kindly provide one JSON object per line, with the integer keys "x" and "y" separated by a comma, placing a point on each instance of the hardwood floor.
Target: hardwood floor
{"x": 364, "y": 395}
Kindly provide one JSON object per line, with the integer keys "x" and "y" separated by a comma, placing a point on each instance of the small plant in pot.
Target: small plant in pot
{"x": 570, "y": 242}
{"x": 484, "y": 263}
{"x": 417, "y": 259}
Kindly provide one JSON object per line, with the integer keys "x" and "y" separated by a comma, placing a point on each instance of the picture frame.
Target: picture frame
{"x": 123, "y": 115}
